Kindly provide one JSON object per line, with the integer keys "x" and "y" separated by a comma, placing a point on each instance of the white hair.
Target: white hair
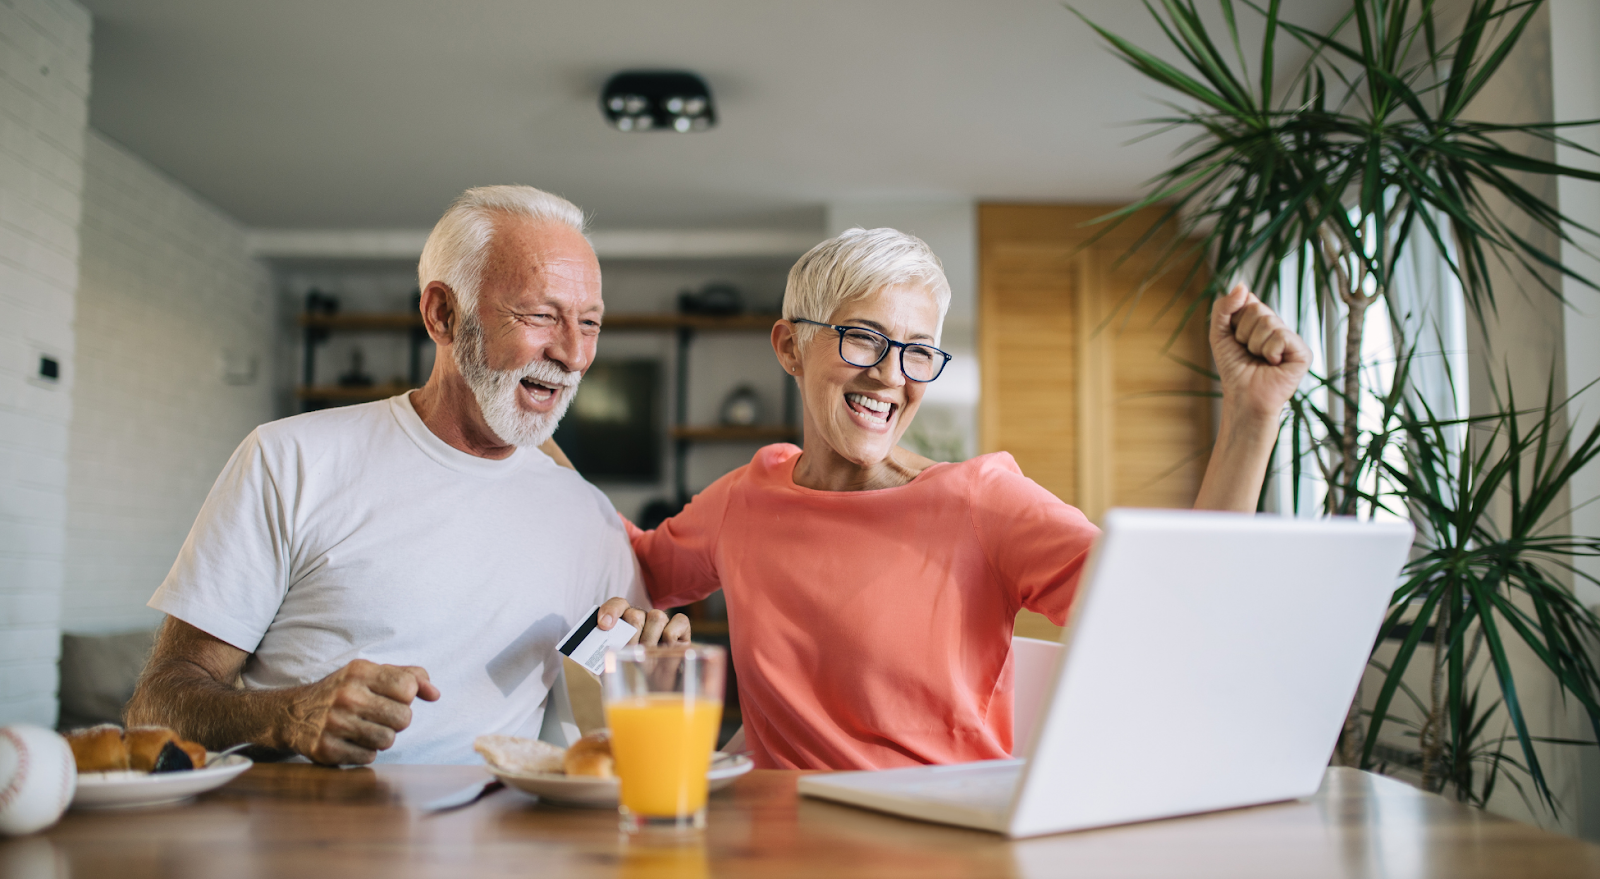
{"x": 458, "y": 247}
{"x": 855, "y": 264}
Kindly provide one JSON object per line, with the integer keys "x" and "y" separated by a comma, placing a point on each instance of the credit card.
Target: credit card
{"x": 587, "y": 643}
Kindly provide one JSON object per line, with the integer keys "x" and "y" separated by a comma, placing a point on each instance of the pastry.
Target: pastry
{"x": 98, "y": 749}
{"x": 108, "y": 747}
{"x": 515, "y": 755}
{"x": 590, "y": 755}
{"x": 144, "y": 745}
{"x": 195, "y": 750}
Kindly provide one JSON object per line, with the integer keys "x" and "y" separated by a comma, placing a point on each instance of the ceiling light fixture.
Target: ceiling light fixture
{"x": 658, "y": 100}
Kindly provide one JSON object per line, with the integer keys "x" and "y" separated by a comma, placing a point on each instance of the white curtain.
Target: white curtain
{"x": 1425, "y": 314}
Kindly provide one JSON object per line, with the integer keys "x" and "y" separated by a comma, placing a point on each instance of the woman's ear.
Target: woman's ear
{"x": 439, "y": 312}
{"x": 786, "y": 345}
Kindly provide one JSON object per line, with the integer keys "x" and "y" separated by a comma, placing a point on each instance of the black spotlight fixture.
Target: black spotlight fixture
{"x": 657, "y": 100}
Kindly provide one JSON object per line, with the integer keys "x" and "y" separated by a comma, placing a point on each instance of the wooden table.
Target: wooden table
{"x": 302, "y": 820}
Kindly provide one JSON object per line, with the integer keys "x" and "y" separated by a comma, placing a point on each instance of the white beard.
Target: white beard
{"x": 496, "y": 389}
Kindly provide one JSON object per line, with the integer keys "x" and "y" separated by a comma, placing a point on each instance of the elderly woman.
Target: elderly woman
{"x": 871, "y": 592}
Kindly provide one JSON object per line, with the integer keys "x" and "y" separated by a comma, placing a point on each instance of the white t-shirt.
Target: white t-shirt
{"x": 356, "y": 533}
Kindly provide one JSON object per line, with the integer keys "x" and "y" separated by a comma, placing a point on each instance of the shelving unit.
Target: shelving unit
{"x": 723, "y": 434}
{"x": 685, "y": 327}
{"x": 683, "y": 434}
{"x": 316, "y": 329}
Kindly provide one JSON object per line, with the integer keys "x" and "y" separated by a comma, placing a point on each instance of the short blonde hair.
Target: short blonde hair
{"x": 458, "y": 247}
{"x": 856, "y": 264}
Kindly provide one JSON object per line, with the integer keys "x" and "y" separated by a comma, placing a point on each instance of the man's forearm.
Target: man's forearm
{"x": 1238, "y": 462}
{"x": 182, "y": 695}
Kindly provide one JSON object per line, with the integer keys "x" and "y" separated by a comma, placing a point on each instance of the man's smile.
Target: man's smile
{"x": 541, "y": 394}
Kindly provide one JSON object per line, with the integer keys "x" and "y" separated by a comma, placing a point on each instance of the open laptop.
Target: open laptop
{"x": 1208, "y": 664}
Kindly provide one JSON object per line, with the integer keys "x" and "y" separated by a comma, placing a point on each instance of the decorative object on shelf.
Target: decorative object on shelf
{"x": 318, "y": 302}
{"x": 357, "y": 376}
{"x": 658, "y": 100}
{"x": 742, "y": 407}
{"x": 716, "y": 298}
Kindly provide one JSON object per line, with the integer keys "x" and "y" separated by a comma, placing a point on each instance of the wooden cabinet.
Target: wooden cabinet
{"x": 1092, "y": 378}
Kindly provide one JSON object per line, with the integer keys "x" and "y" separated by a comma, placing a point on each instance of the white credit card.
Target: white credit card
{"x": 587, "y": 643}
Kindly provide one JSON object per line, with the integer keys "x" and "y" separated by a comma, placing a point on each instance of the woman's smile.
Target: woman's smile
{"x": 871, "y": 411}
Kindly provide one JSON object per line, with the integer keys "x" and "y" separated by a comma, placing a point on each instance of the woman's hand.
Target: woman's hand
{"x": 1260, "y": 360}
{"x": 655, "y": 628}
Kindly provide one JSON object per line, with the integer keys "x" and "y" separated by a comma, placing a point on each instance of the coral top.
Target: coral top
{"x": 872, "y": 629}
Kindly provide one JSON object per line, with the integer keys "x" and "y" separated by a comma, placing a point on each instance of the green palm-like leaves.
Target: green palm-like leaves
{"x": 1336, "y": 173}
{"x": 1369, "y": 129}
{"x": 1473, "y": 584}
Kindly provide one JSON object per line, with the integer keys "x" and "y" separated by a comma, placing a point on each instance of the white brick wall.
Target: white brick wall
{"x": 166, "y": 287}
{"x": 44, "y": 92}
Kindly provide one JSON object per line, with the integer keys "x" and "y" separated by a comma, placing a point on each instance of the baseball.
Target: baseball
{"x": 37, "y": 778}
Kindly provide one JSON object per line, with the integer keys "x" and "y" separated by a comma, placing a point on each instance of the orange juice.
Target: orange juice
{"x": 662, "y": 743}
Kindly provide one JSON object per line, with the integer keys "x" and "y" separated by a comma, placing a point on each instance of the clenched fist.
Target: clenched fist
{"x": 352, "y": 714}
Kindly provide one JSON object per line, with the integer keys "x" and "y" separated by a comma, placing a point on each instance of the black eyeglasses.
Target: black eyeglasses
{"x": 859, "y": 346}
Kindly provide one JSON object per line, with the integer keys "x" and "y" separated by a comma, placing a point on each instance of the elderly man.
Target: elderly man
{"x": 350, "y": 561}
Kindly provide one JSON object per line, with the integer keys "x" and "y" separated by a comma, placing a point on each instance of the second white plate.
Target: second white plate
{"x": 601, "y": 793}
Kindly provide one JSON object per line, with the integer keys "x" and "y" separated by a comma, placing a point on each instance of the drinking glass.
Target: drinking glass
{"x": 664, "y": 707}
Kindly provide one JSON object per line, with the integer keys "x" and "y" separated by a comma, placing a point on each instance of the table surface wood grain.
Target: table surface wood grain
{"x": 302, "y": 820}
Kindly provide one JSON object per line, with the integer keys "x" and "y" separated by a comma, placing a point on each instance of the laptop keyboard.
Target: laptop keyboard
{"x": 988, "y": 788}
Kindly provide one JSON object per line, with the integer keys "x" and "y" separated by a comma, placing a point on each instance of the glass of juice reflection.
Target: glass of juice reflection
{"x": 664, "y": 707}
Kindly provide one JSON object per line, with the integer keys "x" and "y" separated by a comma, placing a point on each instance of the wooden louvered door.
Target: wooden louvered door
{"x": 1087, "y": 379}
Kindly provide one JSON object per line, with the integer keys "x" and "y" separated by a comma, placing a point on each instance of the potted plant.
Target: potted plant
{"x": 1315, "y": 192}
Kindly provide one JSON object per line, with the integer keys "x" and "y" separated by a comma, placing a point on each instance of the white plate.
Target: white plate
{"x": 601, "y": 793}
{"x": 127, "y": 788}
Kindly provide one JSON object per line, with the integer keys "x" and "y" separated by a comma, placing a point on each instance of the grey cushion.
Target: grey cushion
{"x": 98, "y": 673}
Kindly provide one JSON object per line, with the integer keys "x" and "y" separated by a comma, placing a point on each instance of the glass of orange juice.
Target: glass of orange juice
{"x": 664, "y": 707}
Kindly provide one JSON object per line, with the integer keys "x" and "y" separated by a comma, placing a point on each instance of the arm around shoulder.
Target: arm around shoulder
{"x": 678, "y": 557}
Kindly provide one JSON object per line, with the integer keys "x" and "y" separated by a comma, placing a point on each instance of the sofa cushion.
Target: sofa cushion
{"x": 98, "y": 673}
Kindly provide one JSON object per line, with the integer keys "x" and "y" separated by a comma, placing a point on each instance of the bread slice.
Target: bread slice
{"x": 519, "y": 755}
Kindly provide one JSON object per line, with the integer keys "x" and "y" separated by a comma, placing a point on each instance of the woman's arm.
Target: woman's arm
{"x": 1260, "y": 361}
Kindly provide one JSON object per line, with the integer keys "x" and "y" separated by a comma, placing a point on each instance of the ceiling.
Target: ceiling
{"x": 375, "y": 113}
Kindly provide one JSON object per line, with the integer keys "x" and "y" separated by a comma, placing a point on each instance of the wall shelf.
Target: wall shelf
{"x": 355, "y": 321}
{"x": 317, "y": 328}
{"x": 351, "y": 395}
{"x": 728, "y": 434}
{"x": 731, "y": 323}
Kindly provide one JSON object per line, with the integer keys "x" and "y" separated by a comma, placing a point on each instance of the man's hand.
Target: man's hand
{"x": 653, "y": 625}
{"x": 352, "y": 714}
{"x": 1259, "y": 359}
{"x": 190, "y": 684}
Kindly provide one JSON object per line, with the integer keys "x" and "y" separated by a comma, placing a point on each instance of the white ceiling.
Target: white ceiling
{"x": 375, "y": 113}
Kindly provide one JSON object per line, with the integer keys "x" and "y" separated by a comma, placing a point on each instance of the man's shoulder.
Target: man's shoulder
{"x": 582, "y": 497}
{"x": 325, "y": 425}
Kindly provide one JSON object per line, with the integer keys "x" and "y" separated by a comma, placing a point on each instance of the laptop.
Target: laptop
{"x": 1208, "y": 664}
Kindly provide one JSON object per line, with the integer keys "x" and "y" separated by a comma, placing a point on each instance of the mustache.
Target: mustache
{"x": 546, "y": 372}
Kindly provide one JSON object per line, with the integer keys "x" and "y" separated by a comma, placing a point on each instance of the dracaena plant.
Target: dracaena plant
{"x": 1479, "y": 582}
{"x": 1313, "y": 190}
